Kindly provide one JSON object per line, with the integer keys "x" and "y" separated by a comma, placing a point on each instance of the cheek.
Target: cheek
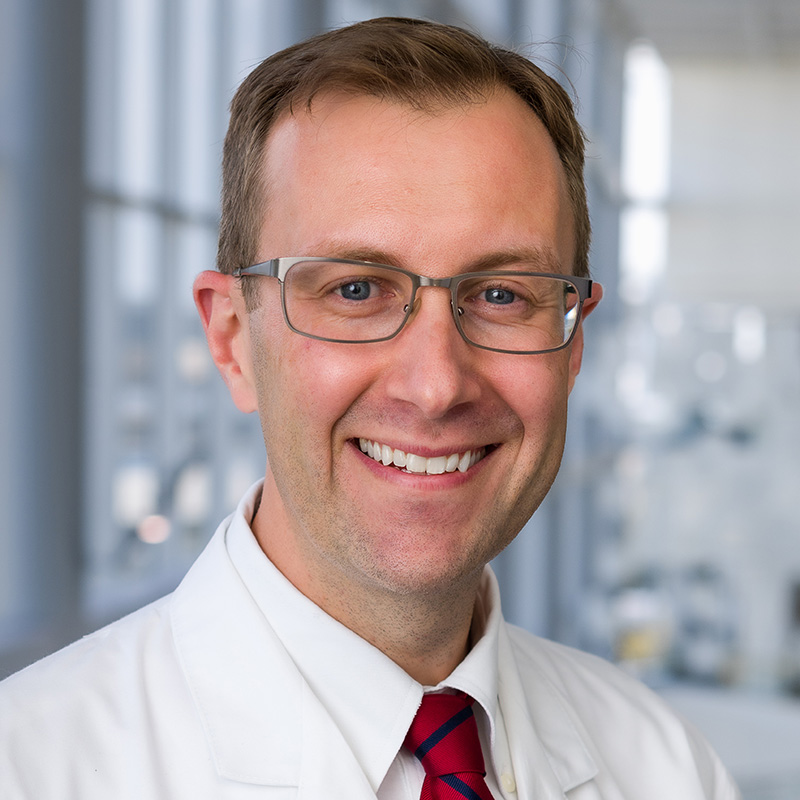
{"x": 538, "y": 394}
{"x": 307, "y": 385}
{"x": 540, "y": 402}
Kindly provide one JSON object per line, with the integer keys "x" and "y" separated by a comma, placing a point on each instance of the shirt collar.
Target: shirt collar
{"x": 370, "y": 698}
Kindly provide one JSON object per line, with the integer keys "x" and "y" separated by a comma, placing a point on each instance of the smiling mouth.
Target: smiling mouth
{"x": 420, "y": 465}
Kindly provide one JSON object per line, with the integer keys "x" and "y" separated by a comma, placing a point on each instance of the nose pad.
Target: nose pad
{"x": 413, "y": 310}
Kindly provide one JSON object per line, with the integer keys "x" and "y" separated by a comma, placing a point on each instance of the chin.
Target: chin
{"x": 429, "y": 571}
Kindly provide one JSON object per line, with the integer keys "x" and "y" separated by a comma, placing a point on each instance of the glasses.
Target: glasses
{"x": 507, "y": 311}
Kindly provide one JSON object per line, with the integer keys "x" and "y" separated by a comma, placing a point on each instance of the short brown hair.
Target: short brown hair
{"x": 425, "y": 65}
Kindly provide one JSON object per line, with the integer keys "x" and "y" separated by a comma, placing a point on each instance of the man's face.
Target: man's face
{"x": 439, "y": 195}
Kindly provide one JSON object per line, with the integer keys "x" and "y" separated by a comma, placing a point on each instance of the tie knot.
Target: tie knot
{"x": 444, "y": 735}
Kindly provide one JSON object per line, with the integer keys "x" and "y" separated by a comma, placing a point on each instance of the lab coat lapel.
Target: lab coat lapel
{"x": 548, "y": 752}
{"x": 263, "y": 724}
{"x": 330, "y": 770}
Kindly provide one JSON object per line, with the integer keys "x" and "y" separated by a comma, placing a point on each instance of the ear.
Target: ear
{"x": 222, "y": 311}
{"x": 576, "y": 348}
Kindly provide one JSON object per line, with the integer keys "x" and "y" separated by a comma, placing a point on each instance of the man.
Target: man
{"x": 402, "y": 280}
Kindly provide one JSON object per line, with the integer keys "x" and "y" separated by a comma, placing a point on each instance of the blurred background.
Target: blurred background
{"x": 671, "y": 541}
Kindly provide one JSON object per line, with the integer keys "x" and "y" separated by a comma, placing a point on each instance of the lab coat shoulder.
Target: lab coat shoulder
{"x": 71, "y": 725}
{"x": 641, "y": 747}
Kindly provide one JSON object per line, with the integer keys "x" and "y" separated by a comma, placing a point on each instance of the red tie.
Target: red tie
{"x": 444, "y": 737}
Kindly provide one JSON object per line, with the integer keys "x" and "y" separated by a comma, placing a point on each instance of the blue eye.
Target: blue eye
{"x": 356, "y": 290}
{"x": 500, "y": 297}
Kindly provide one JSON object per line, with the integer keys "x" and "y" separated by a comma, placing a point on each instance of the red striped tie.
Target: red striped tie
{"x": 444, "y": 737}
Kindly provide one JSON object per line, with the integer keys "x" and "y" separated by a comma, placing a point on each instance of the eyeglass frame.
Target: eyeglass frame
{"x": 279, "y": 267}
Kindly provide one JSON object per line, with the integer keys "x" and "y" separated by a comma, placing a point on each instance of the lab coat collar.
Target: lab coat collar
{"x": 237, "y": 702}
{"x": 549, "y": 747}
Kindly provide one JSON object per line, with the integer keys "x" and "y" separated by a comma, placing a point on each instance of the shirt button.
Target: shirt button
{"x": 509, "y": 784}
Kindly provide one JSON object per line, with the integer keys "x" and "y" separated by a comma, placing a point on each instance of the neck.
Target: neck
{"x": 427, "y": 636}
{"x": 424, "y": 631}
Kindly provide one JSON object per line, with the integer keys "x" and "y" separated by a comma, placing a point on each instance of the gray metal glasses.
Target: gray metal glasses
{"x": 508, "y": 311}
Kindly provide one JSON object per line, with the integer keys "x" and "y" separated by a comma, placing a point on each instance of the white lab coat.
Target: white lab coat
{"x": 194, "y": 698}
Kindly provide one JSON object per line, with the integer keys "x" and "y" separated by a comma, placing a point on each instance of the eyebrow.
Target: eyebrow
{"x": 543, "y": 259}
{"x": 540, "y": 259}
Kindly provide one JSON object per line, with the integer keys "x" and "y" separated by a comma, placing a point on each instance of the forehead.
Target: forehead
{"x": 359, "y": 168}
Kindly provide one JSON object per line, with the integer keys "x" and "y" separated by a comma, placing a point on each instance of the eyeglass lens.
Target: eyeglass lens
{"x": 504, "y": 310}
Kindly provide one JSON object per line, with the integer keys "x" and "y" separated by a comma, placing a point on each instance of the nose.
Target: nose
{"x": 430, "y": 365}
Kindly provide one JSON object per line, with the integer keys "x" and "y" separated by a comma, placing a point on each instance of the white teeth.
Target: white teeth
{"x": 437, "y": 465}
{"x": 415, "y": 463}
{"x": 419, "y": 465}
